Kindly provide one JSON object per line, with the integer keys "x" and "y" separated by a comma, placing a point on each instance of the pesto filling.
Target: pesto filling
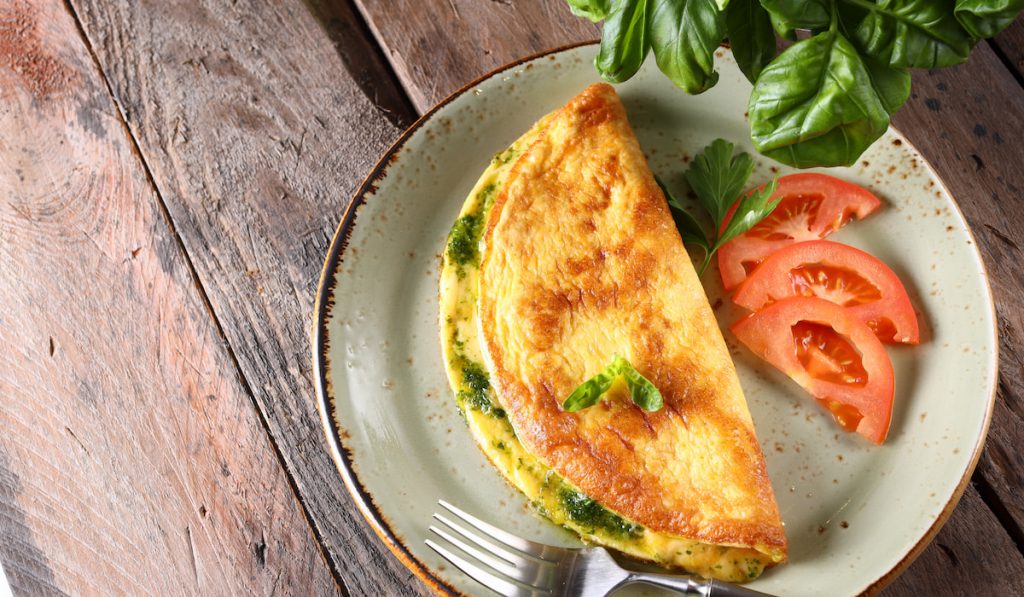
{"x": 475, "y": 390}
{"x": 505, "y": 157}
{"x": 587, "y": 513}
{"x": 464, "y": 239}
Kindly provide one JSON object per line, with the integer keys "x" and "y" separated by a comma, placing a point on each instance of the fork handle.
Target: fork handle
{"x": 690, "y": 586}
{"x": 717, "y": 588}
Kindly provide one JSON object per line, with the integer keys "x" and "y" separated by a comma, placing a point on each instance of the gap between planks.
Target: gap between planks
{"x": 366, "y": 60}
{"x": 165, "y": 213}
{"x": 997, "y": 49}
{"x": 991, "y": 499}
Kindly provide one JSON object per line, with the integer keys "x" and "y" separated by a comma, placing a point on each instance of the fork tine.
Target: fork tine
{"x": 487, "y": 579}
{"x": 499, "y": 565}
{"x": 515, "y": 558}
{"x": 548, "y": 553}
{"x": 537, "y": 574}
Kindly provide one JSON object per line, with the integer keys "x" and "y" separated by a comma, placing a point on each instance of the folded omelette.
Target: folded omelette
{"x": 564, "y": 256}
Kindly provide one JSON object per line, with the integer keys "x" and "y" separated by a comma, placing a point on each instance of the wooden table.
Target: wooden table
{"x": 171, "y": 173}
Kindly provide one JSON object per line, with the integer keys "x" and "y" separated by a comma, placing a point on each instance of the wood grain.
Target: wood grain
{"x": 1010, "y": 45}
{"x": 257, "y": 122}
{"x": 970, "y": 138}
{"x": 952, "y": 563}
{"x": 363, "y": 59}
{"x": 437, "y": 46}
{"x": 131, "y": 458}
{"x": 257, "y": 135}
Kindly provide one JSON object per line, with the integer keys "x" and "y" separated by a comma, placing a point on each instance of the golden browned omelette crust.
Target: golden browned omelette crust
{"x": 582, "y": 261}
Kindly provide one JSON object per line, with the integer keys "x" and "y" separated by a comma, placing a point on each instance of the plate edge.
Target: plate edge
{"x": 940, "y": 521}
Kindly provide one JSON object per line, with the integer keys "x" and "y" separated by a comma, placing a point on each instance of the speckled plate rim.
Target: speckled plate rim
{"x": 325, "y": 399}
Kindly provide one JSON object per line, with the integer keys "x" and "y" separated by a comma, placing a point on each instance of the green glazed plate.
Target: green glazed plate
{"x": 856, "y": 515}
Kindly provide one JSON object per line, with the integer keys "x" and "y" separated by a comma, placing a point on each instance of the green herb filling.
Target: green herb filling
{"x": 505, "y": 157}
{"x": 586, "y": 512}
{"x": 475, "y": 392}
{"x": 463, "y": 240}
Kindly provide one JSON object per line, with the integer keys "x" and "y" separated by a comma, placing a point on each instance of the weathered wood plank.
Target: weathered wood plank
{"x": 970, "y": 141}
{"x": 256, "y": 136}
{"x": 1010, "y": 44}
{"x": 132, "y": 460}
{"x": 950, "y": 565}
{"x": 363, "y": 59}
{"x": 438, "y": 46}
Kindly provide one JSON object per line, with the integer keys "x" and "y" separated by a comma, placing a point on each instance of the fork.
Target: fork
{"x": 515, "y": 567}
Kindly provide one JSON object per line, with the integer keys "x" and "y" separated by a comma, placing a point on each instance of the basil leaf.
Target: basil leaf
{"x": 986, "y": 18}
{"x": 750, "y": 35}
{"x": 803, "y": 14}
{"x": 590, "y": 391}
{"x": 643, "y": 393}
{"x": 782, "y": 27}
{"x": 892, "y": 84}
{"x": 624, "y": 41}
{"x": 684, "y": 37}
{"x": 752, "y": 208}
{"x": 912, "y": 33}
{"x": 592, "y": 10}
{"x": 718, "y": 178}
{"x": 826, "y": 115}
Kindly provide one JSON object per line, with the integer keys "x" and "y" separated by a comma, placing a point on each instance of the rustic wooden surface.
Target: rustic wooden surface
{"x": 132, "y": 460}
{"x": 256, "y": 136}
{"x": 151, "y": 267}
{"x": 437, "y": 46}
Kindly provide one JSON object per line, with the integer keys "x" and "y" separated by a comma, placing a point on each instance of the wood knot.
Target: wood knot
{"x": 260, "y": 551}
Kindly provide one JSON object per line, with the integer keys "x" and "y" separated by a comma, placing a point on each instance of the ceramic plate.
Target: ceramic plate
{"x": 855, "y": 514}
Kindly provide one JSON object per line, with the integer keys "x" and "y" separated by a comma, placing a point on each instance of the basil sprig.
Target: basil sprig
{"x": 718, "y": 177}
{"x": 825, "y": 99}
{"x": 641, "y": 390}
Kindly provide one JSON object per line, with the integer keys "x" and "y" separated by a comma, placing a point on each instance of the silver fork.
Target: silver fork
{"x": 515, "y": 567}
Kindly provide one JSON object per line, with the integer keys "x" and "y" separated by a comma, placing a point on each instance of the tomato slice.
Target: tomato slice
{"x": 813, "y": 206}
{"x": 831, "y": 354}
{"x": 838, "y": 273}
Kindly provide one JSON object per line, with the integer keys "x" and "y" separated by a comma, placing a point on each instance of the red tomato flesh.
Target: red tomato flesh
{"x": 813, "y": 206}
{"x": 838, "y": 273}
{"x": 831, "y": 354}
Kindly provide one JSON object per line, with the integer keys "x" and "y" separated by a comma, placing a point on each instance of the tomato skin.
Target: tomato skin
{"x": 768, "y": 333}
{"x": 779, "y": 277}
{"x": 826, "y": 202}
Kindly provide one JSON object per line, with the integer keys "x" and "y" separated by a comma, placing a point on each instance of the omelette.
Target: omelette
{"x": 565, "y": 256}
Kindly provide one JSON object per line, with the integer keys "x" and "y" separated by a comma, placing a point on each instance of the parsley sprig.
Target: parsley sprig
{"x": 718, "y": 177}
